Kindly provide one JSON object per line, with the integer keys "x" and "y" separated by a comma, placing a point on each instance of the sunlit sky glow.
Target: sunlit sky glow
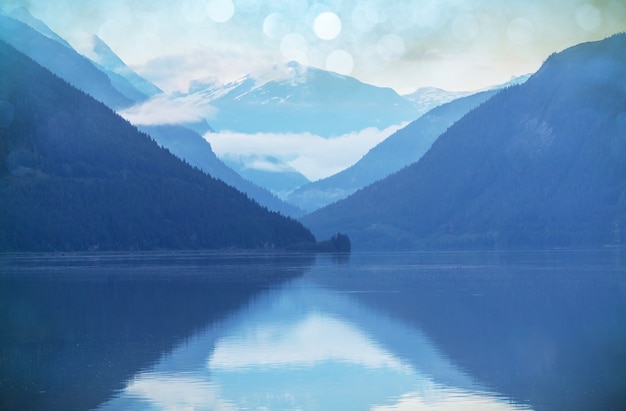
{"x": 403, "y": 44}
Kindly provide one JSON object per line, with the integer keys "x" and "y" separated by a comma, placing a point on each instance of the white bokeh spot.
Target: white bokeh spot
{"x": 520, "y": 31}
{"x": 364, "y": 17}
{"x": 276, "y": 26}
{"x": 327, "y": 25}
{"x": 220, "y": 11}
{"x": 193, "y": 11}
{"x": 294, "y": 47}
{"x": 588, "y": 17}
{"x": 340, "y": 61}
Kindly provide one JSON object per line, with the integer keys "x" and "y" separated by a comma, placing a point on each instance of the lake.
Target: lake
{"x": 514, "y": 330}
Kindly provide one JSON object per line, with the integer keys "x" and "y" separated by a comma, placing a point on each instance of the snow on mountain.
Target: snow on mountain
{"x": 426, "y": 98}
{"x": 107, "y": 59}
{"x": 296, "y": 99}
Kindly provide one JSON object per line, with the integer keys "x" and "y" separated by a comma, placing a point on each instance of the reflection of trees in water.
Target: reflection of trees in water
{"x": 69, "y": 340}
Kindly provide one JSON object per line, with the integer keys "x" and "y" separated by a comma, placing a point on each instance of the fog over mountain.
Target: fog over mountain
{"x": 540, "y": 164}
{"x": 402, "y": 148}
{"x": 267, "y": 123}
{"x": 110, "y": 81}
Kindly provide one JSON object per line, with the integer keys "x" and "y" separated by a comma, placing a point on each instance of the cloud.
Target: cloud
{"x": 433, "y": 399}
{"x": 174, "y": 392}
{"x": 167, "y": 109}
{"x": 314, "y": 156}
{"x": 265, "y": 164}
{"x": 304, "y": 344}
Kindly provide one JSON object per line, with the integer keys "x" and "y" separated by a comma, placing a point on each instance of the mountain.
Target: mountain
{"x": 400, "y": 149}
{"x": 271, "y": 173}
{"x": 63, "y": 61}
{"x": 75, "y": 176}
{"x": 115, "y": 67}
{"x": 299, "y": 99}
{"x": 116, "y": 91}
{"x": 196, "y": 151}
{"x": 22, "y": 14}
{"x": 539, "y": 164}
{"x": 426, "y": 98}
{"x": 295, "y": 99}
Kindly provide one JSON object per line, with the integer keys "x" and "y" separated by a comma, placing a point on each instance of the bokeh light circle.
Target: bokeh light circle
{"x": 327, "y": 25}
{"x": 340, "y": 61}
{"x": 220, "y": 11}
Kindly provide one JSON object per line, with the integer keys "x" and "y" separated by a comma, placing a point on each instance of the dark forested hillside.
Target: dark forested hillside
{"x": 195, "y": 150}
{"x": 540, "y": 164}
{"x": 74, "y": 176}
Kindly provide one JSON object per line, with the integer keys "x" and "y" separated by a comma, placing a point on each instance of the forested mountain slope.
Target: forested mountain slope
{"x": 74, "y": 176}
{"x": 103, "y": 81}
{"x": 540, "y": 164}
{"x": 195, "y": 150}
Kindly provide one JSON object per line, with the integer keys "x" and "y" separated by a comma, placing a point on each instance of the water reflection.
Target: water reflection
{"x": 391, "y": 331}
{"x": 75, "y": 328}
{"x": 306, "y": 347}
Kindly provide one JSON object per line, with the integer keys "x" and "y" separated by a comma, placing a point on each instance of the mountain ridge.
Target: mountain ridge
{"x": 539, "y": 164}
{"x": 299, "y": 96}
{"x": 102, "y": 84}
{"x": 400, "y": 149}
{"x": 76, "y": 176}
{"x": 63, "y": 61}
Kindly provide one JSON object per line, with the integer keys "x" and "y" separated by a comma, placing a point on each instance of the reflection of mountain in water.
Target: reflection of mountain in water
{"x": 543, "y": 328}
{"x": 306, "y": 347}
{"x": 73, "y": 330}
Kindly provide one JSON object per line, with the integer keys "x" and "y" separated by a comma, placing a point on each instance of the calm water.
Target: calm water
{"x": 392, "y": 331}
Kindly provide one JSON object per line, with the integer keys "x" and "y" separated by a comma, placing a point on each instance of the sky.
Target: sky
{"x": 456, "y": 45}
{"x": 402, "y": 44}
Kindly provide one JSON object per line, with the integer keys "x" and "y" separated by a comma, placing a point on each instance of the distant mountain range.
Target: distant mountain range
{"x": 539, "y": 164}
{"x": 271, "y": 173}
{"x": 298, "y": 99}
{"x": 294, "y": 99}
{"x": 56, "y": 56}
{"x": 110, "y": 81}
{"x": 402, "y": 148}
{"x": 399, "y": 150}
{"x": 76, "y": 176}
{"x": 426, "y": 98}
